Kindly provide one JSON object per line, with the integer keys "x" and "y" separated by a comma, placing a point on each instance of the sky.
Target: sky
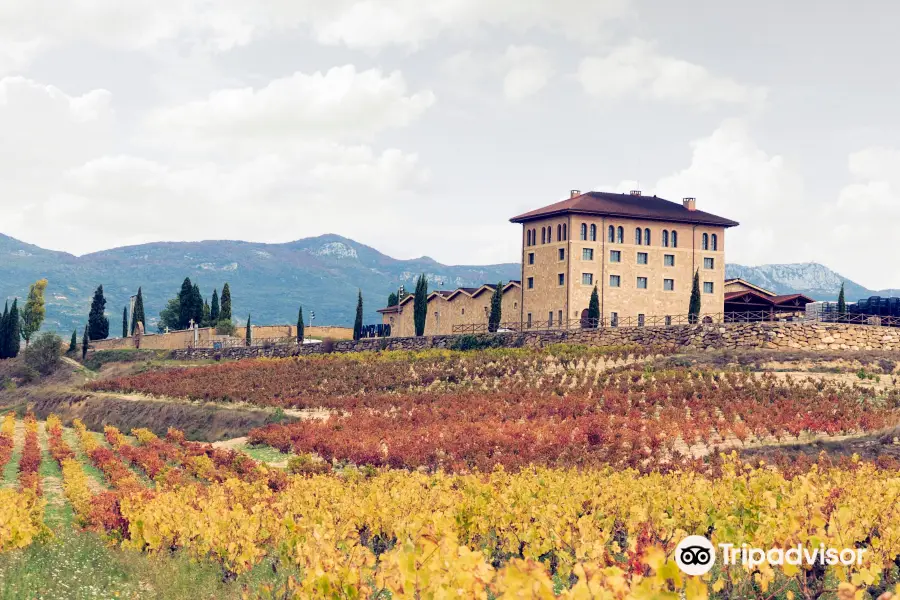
{"x": 420, "y": 128}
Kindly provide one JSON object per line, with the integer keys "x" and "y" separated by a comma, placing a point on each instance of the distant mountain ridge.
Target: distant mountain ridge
{"x": 271, "y": 281}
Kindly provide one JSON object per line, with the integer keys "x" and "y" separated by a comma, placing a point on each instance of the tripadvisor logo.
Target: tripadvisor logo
{"x": 696, "y": 555}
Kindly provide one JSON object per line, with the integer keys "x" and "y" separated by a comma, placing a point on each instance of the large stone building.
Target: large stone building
{"x": 640, "y": 251}
{"x": 449, "y": 309}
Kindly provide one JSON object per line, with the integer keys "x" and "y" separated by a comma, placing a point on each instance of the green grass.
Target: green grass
{"x": 80, "y": 565}
{"x": 90, "y": 470}
{"x": 11, "y": 470}
{"x": 266, "y": 454}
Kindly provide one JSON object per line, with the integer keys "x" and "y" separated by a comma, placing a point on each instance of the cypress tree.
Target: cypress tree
{"x": 73, "y": 343}
{"x": 225, "y": 309}
{"x": 4, "y": 323}
{"x": 496, "y": 309}
{"x": 12, "y": 330}
{"x": 593, "y": 316}
{"x": 98, "y": 324}
{"x": 197, "y": 305}
{"x": 214, "y": 309}
{"x": 694, "y": 307}
{"x": 185, "y": 304}
{"x": 206, "y": 312}
{"x": 248, "y": 334}
{"x": 138, "y": 316}
{"x": 85, "y": 340}
{"x": 393, "y": 300}
{"x": 420, "y": 305}
{"x": 301, "y": 328}
{"x": 842, "y": 302}
{"x": 124, "y": 321}
{"x": 358, "y": 322}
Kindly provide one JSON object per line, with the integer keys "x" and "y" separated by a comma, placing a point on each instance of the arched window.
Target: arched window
{"x": 611, "y": 234}
{"x": 543, "y": 235}
{"x": 674, "y": 239}
{"x": 527, "y": 237}
{"x": 559, "y": 233}
{"x": 534, "y": 237}
{"x": 705, "y": 243}
{"x": 565, "y": 233}
{"x": 584, "y": 232}
{"x": 715, "y": 242}
{"x": 637, "y": 236}
{"x": 593, "y": 233}
{"x": 647, "y": 237}
{"x": 550, "y": 234}
{"x": 665, "y": 238}
{"x": 620, "y": 235}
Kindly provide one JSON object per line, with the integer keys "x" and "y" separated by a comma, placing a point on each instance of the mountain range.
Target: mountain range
{"x": 270, "y": 281}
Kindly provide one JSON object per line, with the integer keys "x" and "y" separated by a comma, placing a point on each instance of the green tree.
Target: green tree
{"x": 185, "y": 304}
{"x": 248, "y": 334}
{"x": 420, "y": 305}
{"x": 169, "y": 317}
{"x": 593, "y": 315}
{"x": 694, "y": 306}
{"x": 225, "y": 309}
{"x": 85, "y": 341}
{"x": 43, "y": 355}
{"x": 138, "y": 316}
{"x": 358, "y": 322}
{"x": 204, "y": 320}
{"x": 496, "y": 309}
{"x": 214, "y": 309}
{"x": 197, "y": 305}
{"x": 73, "y": 343}
{"x": 98, "y": 324}
{"x": 124, "y": 321}
{"x": 12, "y": 331}
{"x": 34, "y": 311}
{"x": 393, "y": 300}
{"x": 4, "y": 331}
{"x": 842, "y": 302}
{"x": 4, "y": 320}
{"x": 301, "y": 327}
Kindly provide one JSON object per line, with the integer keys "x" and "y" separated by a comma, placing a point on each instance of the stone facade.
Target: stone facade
{"x": 776, "y": 336}
{"x": 447, "y": 309}
{"x": 558, "y": 276}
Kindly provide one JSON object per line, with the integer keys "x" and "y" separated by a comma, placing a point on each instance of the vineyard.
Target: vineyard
{"x": 564, "y": 473}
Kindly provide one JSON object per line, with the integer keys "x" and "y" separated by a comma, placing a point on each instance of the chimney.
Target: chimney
{"x": 635, "y": 192}
{"x": 574, "y": 193}
{"x": 690, "y": 203}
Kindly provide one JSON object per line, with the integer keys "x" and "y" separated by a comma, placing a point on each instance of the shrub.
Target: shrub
{"x": 327, "y": 345}
{"x": 225, "y": 328}
{"x": 306, "y": 464}
{"x": 476, "y": 342}
{"x": 43, "y": 353}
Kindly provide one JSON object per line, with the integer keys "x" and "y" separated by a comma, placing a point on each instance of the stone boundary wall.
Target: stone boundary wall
{"x": 777, "y": 336}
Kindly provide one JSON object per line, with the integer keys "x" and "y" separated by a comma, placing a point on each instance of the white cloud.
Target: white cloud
{"x": 732, "y": 177}
{"x": 638, "y": 69}
{"x": 522, "y": 71}
{"x": 27, "y": 28}
{"x": 339, "y": 105}
{"x": 530, "y": 68}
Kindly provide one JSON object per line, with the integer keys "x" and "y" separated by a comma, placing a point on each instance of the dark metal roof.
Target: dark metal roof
{"x": 626, "y": 205}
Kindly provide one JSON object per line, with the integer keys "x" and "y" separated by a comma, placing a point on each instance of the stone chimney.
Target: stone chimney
{"x": 635, "y": 192}
{"x": 690, "y": 203}
{"x": 574, "y": 193}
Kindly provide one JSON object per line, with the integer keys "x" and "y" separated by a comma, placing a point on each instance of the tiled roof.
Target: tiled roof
{"x": 626, "y": 205}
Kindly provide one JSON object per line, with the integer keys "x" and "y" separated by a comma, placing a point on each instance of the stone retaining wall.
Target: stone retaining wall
{"x": 784, "y": 336}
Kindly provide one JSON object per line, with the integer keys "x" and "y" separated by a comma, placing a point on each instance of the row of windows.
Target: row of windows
{"x": 615, "y": 235}
{"x": 562, "y": 234}
{"x": 615, "y": 281}
{"x": 615, "y": 256}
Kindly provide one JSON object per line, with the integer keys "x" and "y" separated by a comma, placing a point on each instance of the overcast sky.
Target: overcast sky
{"x": 421, "y": 127}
